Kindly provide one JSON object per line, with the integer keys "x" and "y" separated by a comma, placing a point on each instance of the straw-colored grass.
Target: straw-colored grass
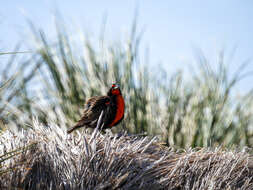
{"x": 105, "y": 161}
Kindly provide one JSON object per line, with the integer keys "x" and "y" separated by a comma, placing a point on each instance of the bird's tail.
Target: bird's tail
{"x": 77, "y": 126}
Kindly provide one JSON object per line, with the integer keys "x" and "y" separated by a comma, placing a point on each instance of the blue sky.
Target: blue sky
{"x": 172, "y": 28}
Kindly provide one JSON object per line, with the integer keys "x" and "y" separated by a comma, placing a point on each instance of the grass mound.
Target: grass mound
{"x": 56, "y": 160}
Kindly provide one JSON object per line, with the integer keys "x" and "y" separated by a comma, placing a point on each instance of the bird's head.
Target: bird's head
{"x": 114, "y": 90}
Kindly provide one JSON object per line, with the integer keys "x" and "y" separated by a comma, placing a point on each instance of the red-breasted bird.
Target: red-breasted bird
{"x": 112, "y": 105}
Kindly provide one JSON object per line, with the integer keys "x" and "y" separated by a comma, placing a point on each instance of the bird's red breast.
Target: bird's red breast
{"x": 120, "y": 110}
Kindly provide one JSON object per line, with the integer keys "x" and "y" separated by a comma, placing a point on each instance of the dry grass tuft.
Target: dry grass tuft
{"x": 105, "y": 161}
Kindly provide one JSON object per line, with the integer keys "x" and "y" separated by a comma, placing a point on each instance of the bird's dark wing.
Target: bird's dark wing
{"x": 92, "y": 110}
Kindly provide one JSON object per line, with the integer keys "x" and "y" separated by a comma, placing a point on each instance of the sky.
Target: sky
{"x": 173, "y": 30}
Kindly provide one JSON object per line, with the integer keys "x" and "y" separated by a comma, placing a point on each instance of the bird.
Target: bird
{"x": 112, "y": 105}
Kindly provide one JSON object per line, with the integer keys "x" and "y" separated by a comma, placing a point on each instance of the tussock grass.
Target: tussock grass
{"x": 105, "y": 161}
{"x": 53, "y": 84}
{"x": 202, "y": 110}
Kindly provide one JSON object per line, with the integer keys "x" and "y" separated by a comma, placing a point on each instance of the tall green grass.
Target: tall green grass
{"x": 200, "y": 110}
{"x": 13, "y": 82}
